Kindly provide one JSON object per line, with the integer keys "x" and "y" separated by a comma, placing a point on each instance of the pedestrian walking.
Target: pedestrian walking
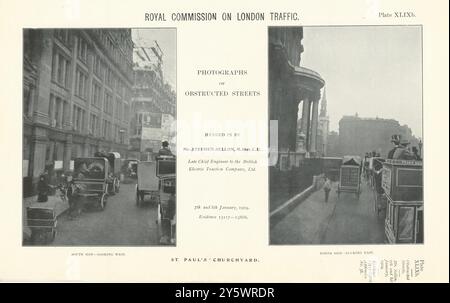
{"x": 327, "y": 188}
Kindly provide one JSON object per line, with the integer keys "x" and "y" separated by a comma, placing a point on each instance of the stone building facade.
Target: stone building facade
{"x": 294, "y": 94}
{"x": 360, "y": 135}
{"x": 76, "y": 97}
{"x": 153, "y": 118}
{"x": 290, "y": 85}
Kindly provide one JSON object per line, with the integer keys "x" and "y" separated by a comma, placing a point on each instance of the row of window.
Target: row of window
{"x": 61, "y": 66}
{"x": 60, "y": 69}
{"x": 94, "y": 125}
{"x": 121, "y": 109}
{"x": 114, "y": 82}
{"x": 104, "y": 72}
{"x": 81, "y": 84}
{"x": 78, "y": 118}
{"x": 121, "y": 53}
{"x": 82, "y": 50}
{"x": 108, "y": 131}
{"x": 116, "y": 53}
{"x": 60, "y": 75}
{"x": 108, "y": 105}
{"x": 96, "y": 95}
{"x": 59, "y": 110}
{"x": 98, "y": 67}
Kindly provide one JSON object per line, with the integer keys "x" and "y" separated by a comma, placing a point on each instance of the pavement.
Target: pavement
{"x": 341, "y": 220}
{"x": 121, "y": 223}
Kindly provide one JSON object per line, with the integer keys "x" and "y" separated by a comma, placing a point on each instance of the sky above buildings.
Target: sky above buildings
{"x": 375, "y": 71}
{"x": 166, "y": 39}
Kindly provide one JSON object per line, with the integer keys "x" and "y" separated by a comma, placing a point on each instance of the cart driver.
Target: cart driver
{"x": 402, "y": 153}
{"x": 396, "y": 142}
{"x": 43, "y": 188}
{"x": 165, "y": 150}
{"x": 415, "y": 152}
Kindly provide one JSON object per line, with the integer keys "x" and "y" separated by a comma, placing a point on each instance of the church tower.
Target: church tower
{"x": 323, "y": 127}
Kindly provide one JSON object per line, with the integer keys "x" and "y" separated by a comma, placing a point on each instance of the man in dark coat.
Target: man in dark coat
{"x": 402, "y": 153}
{"x": 396, "y": 142}
{"x": 42, "y": 188}
{"x": 165, "y": 150}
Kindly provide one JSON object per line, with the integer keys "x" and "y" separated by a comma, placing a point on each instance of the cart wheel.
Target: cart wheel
{"x": 102, "y": 202}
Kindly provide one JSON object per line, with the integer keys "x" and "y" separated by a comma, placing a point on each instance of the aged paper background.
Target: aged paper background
{"x": 218, "y": 45}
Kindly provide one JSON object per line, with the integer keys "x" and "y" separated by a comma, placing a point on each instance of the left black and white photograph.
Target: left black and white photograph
{"x": 99, "y": 137}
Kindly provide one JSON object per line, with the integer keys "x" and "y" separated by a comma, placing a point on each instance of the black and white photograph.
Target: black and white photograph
{"x": 99, "y": 137}
{"x": 345, "y": 135}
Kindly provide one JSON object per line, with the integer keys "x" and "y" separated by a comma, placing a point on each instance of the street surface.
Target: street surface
{"x": 343, "y": 220}
{"x": 120, "y": 223}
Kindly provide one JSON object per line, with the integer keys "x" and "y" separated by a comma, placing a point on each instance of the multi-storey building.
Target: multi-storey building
{"x": 76, "y": 96}
{"x": 360, "y": 135}
{"x": 153, "y": 117}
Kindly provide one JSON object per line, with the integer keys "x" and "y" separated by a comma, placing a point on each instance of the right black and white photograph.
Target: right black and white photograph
{"x": 345, "y": 135}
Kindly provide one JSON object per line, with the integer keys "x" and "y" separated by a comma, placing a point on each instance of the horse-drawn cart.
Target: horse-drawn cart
{"x": 402, "y": 184}
{"x": 158, "y": 180}
{"x": 92, "y": 180}
{"x": 350, "y": 175}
